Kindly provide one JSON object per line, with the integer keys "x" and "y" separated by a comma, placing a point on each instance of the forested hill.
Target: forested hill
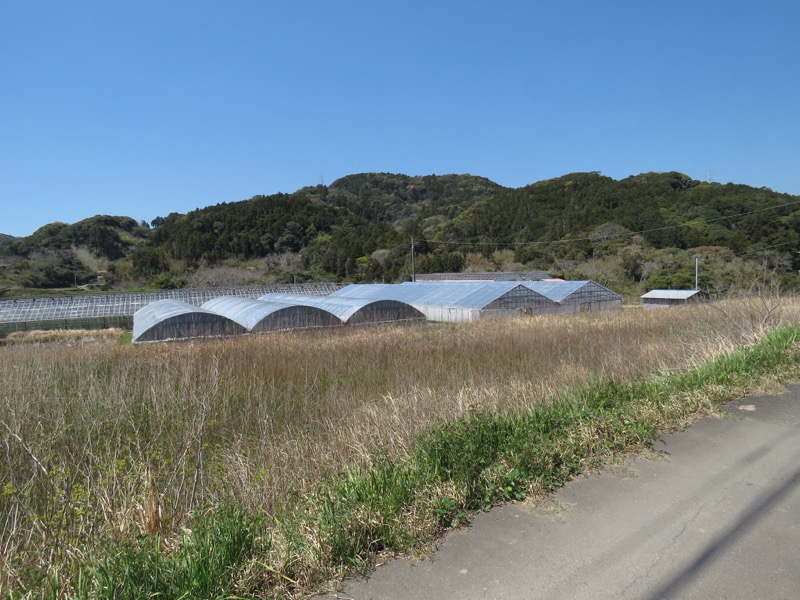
{"x": 639, "y": 232}
{"x": 407, "y": 201}
{"x": 669, "y": 209}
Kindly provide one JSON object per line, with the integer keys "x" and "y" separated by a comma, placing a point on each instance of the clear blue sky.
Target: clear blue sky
{"x": 145, "y": 108}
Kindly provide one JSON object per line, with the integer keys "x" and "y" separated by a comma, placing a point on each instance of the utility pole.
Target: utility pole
{"x": 697, "y": 272}
{"x": 413, "y": 270}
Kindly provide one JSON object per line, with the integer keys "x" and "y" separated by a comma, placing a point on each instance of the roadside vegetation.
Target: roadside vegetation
{"x": 274, "y": 465}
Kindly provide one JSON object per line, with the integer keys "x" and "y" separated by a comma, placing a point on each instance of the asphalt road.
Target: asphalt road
{"x": 714, "y": 512}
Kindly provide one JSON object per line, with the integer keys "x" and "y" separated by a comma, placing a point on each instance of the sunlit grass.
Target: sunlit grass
{"x": 106, "y": 442}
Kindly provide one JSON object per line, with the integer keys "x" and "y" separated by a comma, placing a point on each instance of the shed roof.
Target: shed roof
{"x": 670, "y": 294}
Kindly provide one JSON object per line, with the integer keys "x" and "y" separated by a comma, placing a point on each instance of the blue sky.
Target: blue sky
{"x": 146, "y": 108}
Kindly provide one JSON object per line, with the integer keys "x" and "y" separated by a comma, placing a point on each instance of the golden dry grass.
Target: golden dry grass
{"x": 67, "y": 337}
{"x": 100, "y": 440}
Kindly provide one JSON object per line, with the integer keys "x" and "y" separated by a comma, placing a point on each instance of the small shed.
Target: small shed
{"x": 175, "y": 320}
{"x": 667, "y": 298}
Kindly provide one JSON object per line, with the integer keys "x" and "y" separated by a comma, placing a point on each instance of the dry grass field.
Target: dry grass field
{"x": 102, "y": 441}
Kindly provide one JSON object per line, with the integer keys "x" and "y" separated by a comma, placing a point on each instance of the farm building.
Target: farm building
{"x": 667, "y": 298}
{"x": 353, "y": 311}
{"x": 456, "y": 301}
{"x": 176, "y": 320}
{"x": 259, "y": 316}
{"x": 577, "y": 296}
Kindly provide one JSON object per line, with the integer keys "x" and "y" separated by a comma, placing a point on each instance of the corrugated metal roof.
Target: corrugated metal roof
{"x": 670, "y": 294}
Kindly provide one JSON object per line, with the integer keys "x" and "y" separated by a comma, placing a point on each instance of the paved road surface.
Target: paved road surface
{"x": 715, "y": 514}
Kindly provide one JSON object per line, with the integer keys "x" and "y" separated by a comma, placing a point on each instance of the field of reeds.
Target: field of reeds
{"x": 284, "y": 461}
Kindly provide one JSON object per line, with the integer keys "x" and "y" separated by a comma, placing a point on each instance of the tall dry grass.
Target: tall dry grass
{"x": 101, "y": 441}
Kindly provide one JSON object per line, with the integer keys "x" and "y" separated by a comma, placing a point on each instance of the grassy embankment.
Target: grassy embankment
{"x": 272, "y": 465}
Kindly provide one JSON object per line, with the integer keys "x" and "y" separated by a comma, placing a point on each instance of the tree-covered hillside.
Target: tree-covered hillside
{"x": 330, "y": 239}
{"x": 669, "y": 209}
{"x": 60, "y": 255}
{"x": 638, "y": 233}
{"x": 408, "y": 202}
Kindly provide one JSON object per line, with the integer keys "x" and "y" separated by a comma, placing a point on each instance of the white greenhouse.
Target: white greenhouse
{"x": 457, "y": 301}
{"x": 176, "y": 320}
{"x": 353, "y": 311}
{"x": 260, "y": 316}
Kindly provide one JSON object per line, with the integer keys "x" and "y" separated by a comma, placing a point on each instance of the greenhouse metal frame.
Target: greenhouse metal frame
{"x": 176, "y": 320}
{"x": 577, "y": 296}
{"x": 354, "y": 311}
{"x": 117, "y": 310}
{"x": 260, "y": 316}
{"x": 457, "y": 301}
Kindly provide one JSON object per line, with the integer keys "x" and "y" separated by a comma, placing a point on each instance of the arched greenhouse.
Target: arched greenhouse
{"x": 175, "y": 320}
{"x": 354, "y": 311}
{"x": 259, "y": 316}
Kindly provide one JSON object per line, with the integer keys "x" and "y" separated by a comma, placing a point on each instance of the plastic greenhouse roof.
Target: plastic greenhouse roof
{"x": 248, "y": 313}
{"x": 342, "y": 307}
{"x": 114, "y": 305}
{"x": 555, "y": 290}
{"x": 457, "y": 294}
{"x": 157, "y": 312}
{"x": 559, "y": 291}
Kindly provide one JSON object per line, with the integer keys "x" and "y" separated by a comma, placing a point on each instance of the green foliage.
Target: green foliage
{"x": 440, "y": 261}
{"x": 359, "y": 229}
{"x": 394, "y": 198}
{"x": 472, "y": 464}
{"x": 101, "y": 233}
{"x": 164, "y": 281}
{"x": 330, "y": 239}
{"x": 662, "y": 205}
{"x": 148, "y": 261}
{"x": 201, "y": 566}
